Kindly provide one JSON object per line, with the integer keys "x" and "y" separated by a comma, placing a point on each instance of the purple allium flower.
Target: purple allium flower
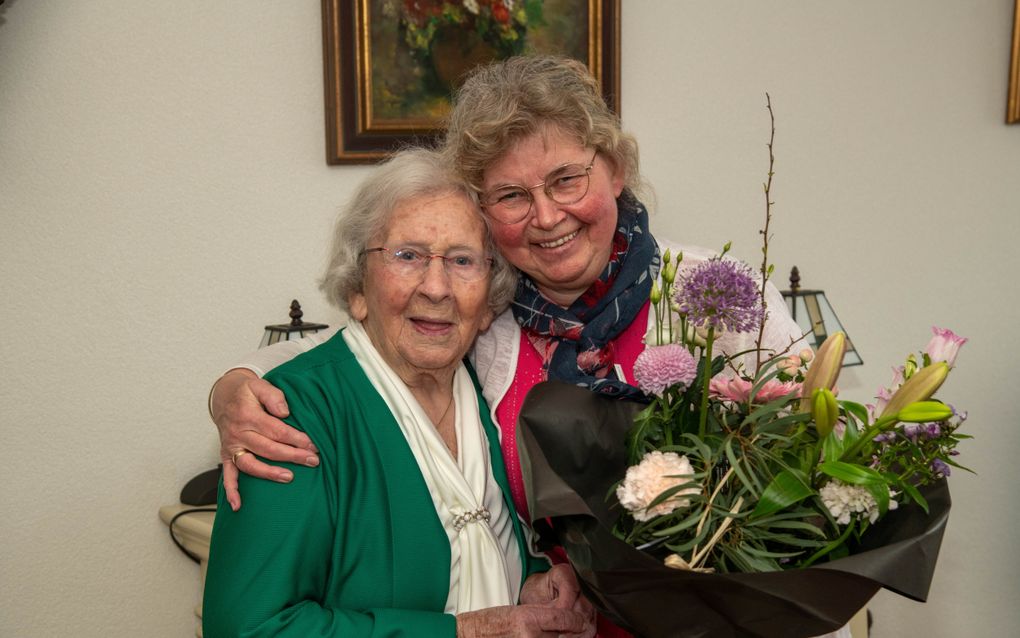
{"x": 721, "y": 294}
{"x": 659, "y": 367}
{"x": 940, "y": 468}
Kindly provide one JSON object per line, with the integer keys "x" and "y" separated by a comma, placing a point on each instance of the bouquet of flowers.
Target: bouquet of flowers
{"x": 759, "y": 473}
{"x": 751, "y": 501}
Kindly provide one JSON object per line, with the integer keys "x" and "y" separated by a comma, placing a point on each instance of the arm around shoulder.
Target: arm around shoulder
{"x": 248, "y": 411}
{"x": 265, "y": 359}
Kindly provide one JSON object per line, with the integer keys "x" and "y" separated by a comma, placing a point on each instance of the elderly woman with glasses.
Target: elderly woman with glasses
{"x": 559, "y": 184}
{"x": 407, "y": 528}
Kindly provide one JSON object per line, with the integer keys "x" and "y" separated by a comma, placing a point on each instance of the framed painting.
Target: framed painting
{"x": 391, "y": 65}
{"x": 1013, "y": 105}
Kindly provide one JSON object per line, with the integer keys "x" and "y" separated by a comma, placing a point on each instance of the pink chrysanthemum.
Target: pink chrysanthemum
{"x": 660, "y": 367}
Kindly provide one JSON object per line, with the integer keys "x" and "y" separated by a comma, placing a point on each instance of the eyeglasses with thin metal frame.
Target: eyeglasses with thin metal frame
{"x": 566, "y": 185}
{"x": 411, "y": 262}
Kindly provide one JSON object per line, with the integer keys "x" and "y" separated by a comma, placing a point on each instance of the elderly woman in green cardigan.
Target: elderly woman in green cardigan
{"x": 407, "y": 528}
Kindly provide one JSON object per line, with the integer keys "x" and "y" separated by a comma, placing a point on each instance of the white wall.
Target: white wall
{"x": 163, "y": 194}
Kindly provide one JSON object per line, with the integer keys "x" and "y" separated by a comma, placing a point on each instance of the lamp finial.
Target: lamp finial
{"x": 295, "y": 313}
{"x": 795, "y": 280}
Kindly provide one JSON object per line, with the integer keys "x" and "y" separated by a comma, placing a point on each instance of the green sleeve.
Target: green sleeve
{"x": 270, "y": 564}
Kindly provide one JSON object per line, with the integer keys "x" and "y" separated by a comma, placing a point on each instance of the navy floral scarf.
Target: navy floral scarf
{"x": 575, "y": 343}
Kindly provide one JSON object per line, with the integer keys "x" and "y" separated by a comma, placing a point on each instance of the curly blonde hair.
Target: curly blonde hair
{"x": 503, "y": 102}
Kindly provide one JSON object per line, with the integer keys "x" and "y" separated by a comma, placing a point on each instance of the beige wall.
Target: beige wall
{"x": 163, "y": 194}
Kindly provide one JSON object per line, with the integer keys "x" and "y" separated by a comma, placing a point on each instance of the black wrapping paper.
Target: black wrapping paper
{"x": 572, "y": 449}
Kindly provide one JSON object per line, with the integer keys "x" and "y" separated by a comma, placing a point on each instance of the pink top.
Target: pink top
{"x": 529, "y": 372}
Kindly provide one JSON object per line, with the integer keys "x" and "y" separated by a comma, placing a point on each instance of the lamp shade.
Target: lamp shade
{"x": 816, "y": 318}
{"x": 294, "y": 330}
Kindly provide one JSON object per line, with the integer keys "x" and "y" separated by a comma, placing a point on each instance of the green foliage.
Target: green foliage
{"x": 759, "y": 466}
{"x": 782, "y": 481}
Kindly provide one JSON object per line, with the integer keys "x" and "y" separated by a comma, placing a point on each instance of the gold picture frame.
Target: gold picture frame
{"x": 388, "y": 78}
{"x": 1013, "y": 103}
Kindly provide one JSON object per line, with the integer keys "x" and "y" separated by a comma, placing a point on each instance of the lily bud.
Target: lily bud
{"x": 656, "y": 294}
{"x": 910, "y": 367}
{"x": 919, "y": 387}
{"x": 696, "y": 336}
{"x": 666, "y": 257}
{"x": 824, "y": 369}
{"x": 669, "y": 273}
{"x": 824, "y": 410}
{"x": 925, "y": 412}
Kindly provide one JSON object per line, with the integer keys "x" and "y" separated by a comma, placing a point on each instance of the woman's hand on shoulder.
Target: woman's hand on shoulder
{"x": 524, "y": 621}
{"x": 247, "y": 411}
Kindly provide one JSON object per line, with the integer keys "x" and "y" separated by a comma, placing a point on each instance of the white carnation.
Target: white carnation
{"x": 656, "y": 473}
{"x": 845, "y": 501}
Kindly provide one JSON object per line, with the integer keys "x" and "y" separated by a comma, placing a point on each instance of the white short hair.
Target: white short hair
{"x": 409, "y": 174}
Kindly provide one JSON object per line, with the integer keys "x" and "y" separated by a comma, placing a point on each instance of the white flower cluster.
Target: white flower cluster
{"x": 656, "y": 473}
{"x": 845, "y": 501}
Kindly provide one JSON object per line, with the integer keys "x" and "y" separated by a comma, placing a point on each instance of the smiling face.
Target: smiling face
{"x": 425, "y": 324}
{"x": 563, "y": 248}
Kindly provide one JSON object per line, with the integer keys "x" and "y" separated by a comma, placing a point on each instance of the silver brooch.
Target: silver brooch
{"x": 461, "y": 520}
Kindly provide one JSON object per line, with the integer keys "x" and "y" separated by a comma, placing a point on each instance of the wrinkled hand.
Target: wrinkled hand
{"x": 524, "y": 621}
{"x": 557, "y": 588}
{"x": 247, "y": 412}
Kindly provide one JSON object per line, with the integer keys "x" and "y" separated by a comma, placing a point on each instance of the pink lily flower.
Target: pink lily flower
{"x": 944, "y": 345}
{"x": 739, "y": 390}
